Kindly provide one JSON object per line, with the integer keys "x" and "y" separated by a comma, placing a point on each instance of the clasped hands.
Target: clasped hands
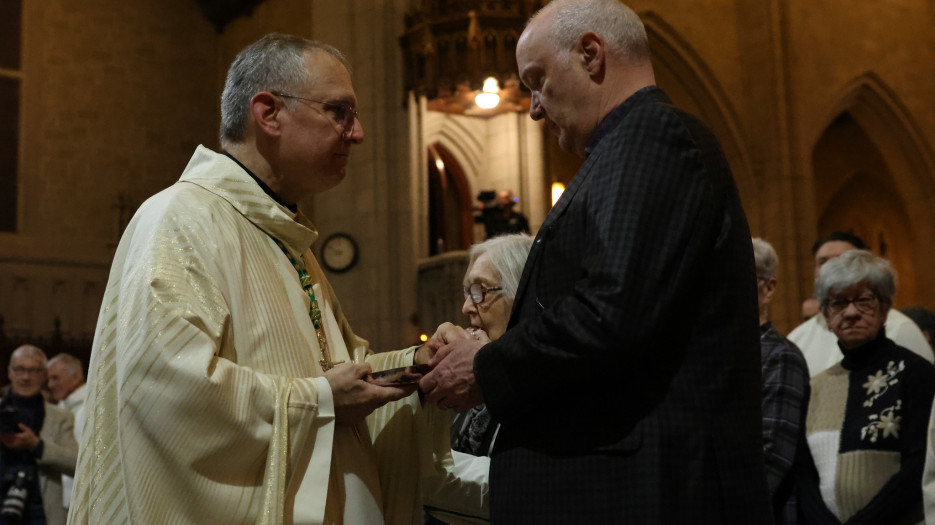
{"x": 355, "y": 397}
{"x": 451, "y": 383}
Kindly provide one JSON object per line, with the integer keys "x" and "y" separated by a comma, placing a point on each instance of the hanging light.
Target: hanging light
{"x": 557, "y": 189}
{"x": 489, "y": 96}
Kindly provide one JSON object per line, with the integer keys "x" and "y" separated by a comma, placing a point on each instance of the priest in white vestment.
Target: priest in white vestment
{"x": 225, "y": 384}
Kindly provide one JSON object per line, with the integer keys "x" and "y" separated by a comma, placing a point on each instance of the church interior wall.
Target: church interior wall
{"x": 534, "y": 170}
{"x": 781, "y": 65}
{"x": 116, "y": 95}
{"x": 374, "y": 201}
{"x": 106, "y": 119}
{"x": 502, "y": 166}
{"x": 889, "y": 42}
{"x": 464, "y": 137}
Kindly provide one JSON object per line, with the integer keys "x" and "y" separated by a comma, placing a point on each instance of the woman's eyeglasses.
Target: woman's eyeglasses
{"x": 865, "y": 304}
{"x": 478, "y": 292}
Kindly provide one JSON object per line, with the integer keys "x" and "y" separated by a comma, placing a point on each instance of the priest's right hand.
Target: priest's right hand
{"x": 354, "y": 397}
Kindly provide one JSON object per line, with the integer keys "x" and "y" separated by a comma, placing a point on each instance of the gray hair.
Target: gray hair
{"x": 275, "y": 62}
{"x": 508, "y": 255}
{"x": 766, "y": 260}
{"x": 30, "y": 351}
{"x": 617, "y": 24}
{"x": 855, "y": 267}
{"x": 72, "y": 364}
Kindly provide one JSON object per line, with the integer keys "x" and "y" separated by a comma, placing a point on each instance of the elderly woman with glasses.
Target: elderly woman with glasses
{"x": 494, "y": 269}
{"x": 867, "y": 415}
{"x": 458, "y": 491}
{"x": 490, "y": 283}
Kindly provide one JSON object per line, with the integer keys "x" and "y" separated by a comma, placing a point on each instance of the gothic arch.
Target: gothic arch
{"x": 464, "y": 138}
{"x": 872, "y": 170}
{"x": 889, "y": 124}
{"x": 691, "y": 84}
{"x": 450, "y": 213}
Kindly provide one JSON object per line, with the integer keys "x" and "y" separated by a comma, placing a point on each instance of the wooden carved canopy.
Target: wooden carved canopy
{"x": 451, "y": 46}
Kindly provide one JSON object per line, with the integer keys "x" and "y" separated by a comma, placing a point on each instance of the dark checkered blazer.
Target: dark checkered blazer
{"x": 628, "y": 382}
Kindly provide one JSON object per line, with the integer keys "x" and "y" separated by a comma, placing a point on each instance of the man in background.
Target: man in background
{"x": 923, "y": 318}
{"x": 819, "y": 344}
{"x": 66, "y": 383}
{"x": 39, "y": 446}
{"x": 785, "y": 393}
{"x": 499, "y": 217}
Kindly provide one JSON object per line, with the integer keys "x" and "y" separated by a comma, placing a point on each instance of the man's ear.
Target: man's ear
{"x": 593, "y": 53}
{"x": 770, "y": 289}
{"x": 265, "y": 110}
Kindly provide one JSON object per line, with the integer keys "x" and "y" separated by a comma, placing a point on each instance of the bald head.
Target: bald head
{"x": 581, "y": 59}
{"x": 618, "y": 25}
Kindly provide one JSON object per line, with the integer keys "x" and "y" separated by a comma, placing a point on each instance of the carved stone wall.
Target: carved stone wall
{"x": 116, "y": 95}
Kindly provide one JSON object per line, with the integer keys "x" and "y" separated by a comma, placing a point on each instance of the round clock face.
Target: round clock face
{"x": 339, "y": 252}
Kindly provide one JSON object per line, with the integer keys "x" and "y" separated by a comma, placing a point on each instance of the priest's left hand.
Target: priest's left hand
{"x": 355, "y": 397}
{"x": 451, "y": 383}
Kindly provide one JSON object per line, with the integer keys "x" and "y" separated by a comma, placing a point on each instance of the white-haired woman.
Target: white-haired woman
{"x": 494, "y": 269}
{"x": 490, "y": 283}
{"x": 867, "y": 416}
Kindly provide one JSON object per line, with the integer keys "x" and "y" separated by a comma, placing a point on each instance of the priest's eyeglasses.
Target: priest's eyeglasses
{"x": 342, "y": 112}
{"x": 478, "y": 292}
{"x": 865, "y": 304}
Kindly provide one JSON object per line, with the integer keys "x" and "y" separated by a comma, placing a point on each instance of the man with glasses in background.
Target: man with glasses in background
{"x": 225, "y": 384}
{"x": 65, "y": 375}
{"x": 37, "y": 445}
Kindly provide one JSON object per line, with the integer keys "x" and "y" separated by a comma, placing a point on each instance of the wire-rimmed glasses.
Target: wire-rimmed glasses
{"x": 865, "y": 304}
{"x": 477, "y": 292}
{"x": 343, "y": 113}
{"x": 22, "y": 370}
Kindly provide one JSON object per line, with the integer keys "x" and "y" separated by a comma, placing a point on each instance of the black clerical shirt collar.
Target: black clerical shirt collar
{"x": 266, "y": 189}
{"x": 613, "y": 118}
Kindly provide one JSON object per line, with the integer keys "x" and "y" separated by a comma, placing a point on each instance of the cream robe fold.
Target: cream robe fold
{"x": 206, "y": 402}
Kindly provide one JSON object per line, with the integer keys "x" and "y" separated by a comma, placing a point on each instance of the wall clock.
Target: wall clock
{"x": 339, "y": 252}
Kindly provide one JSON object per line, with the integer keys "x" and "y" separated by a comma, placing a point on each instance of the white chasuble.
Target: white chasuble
{"x": 206, "y": 402}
